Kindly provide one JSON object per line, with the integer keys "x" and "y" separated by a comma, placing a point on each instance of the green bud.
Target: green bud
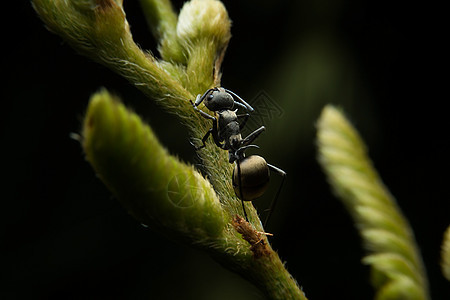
{"x": 155, "y": 187}
{"x": 204, "y": 19}
{"x": 204, "y": 31}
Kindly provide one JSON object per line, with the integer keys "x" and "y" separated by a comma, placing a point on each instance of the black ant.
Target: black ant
{"x": 251, "y": 174}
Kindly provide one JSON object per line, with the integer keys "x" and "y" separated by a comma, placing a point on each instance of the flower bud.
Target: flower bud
{"x": 200, "y": 19}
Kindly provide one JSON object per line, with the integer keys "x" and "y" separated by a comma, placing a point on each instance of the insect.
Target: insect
{"x": 251, "y": 173}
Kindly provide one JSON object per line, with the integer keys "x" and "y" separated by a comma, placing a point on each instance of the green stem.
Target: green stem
{"x": 156, "y": 188}
{"x": 199, "y": 72}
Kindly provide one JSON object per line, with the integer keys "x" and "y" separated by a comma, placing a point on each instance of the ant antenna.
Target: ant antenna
{"x": 239, "y": 153}
{"x": 249, "y": 108}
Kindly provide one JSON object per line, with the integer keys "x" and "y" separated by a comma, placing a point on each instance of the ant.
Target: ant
{"x": 251, "y": 174}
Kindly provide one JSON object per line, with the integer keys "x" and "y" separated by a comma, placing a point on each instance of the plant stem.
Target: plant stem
{"x": 156, "y": 188}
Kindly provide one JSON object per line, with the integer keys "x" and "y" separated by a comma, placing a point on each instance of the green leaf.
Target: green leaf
{"x": 397, "y": 268}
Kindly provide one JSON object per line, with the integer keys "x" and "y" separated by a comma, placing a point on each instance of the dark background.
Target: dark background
{"x": 65, "y": 237}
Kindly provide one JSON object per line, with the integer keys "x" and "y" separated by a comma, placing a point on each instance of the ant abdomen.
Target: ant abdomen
{"x": 254, "y": 177}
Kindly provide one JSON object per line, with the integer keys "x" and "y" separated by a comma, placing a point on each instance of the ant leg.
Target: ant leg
{"x": 203, "y": 140}
{"x": 274, "y": 201}
{"x": 203, "y": 114}
{"x": 240, "y": 188}
{"x": 215, "y": 135}
{"x": 242, "y": 124}
{"x": 213, "y": 130}
{"x": 252, "y": 136}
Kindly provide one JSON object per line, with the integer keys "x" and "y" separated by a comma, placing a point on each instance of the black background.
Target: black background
{"x": 65, "y": 237}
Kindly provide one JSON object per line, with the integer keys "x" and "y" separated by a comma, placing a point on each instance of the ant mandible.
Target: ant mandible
{"x": 251, "y": 174}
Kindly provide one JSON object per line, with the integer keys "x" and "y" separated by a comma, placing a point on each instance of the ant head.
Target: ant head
{"x": 218, "y": 99}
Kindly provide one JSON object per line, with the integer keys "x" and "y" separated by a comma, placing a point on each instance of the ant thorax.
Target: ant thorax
{"x": 229, "y": 130}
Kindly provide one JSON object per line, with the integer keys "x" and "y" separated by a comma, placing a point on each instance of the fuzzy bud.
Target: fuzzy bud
{"x": 204, "y": 19}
